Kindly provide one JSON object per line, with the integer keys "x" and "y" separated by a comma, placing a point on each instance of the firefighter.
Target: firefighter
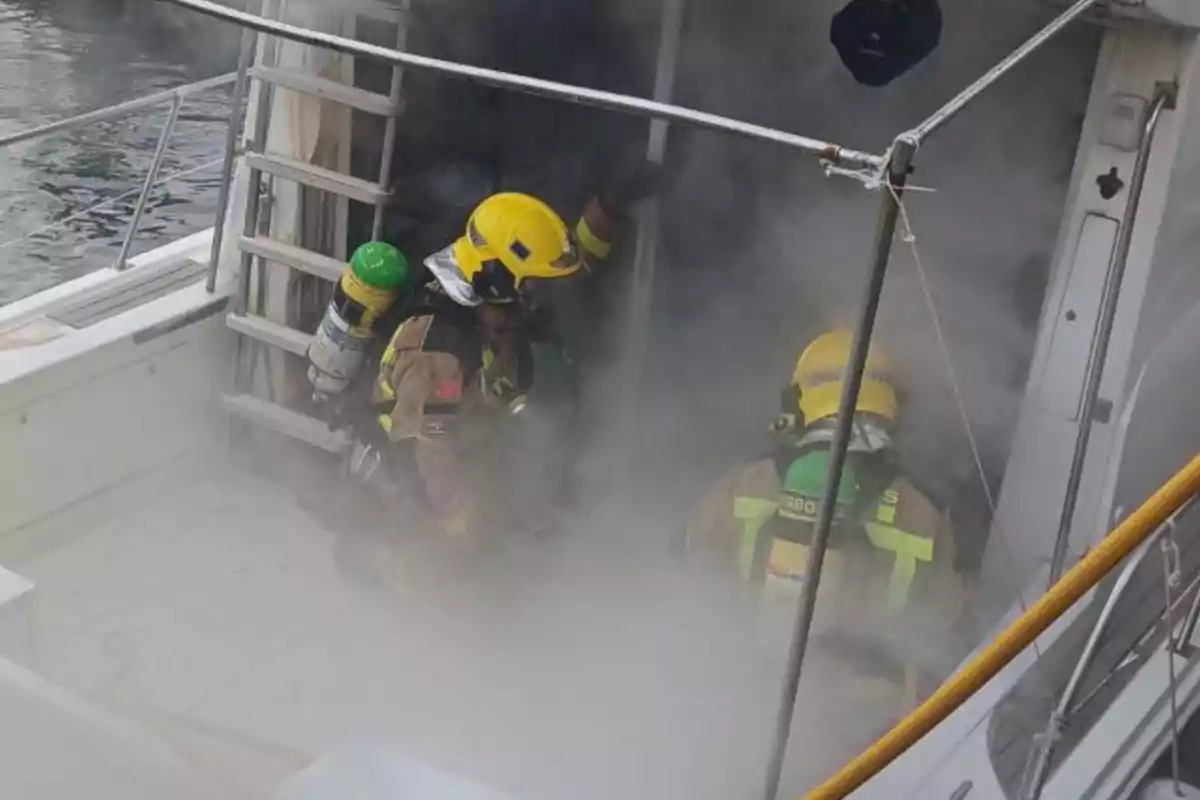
{"x": 890, "y": 603}
{"x": 463, "y": 359}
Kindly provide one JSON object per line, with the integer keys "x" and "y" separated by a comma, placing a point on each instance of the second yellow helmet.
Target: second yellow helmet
{"x": 819, "y": 377}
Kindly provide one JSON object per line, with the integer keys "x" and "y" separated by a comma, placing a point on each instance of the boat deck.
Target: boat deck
{"x": 212, "y": 604}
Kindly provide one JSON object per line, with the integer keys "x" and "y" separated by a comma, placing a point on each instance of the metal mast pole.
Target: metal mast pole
{"x": 902, "y": 153}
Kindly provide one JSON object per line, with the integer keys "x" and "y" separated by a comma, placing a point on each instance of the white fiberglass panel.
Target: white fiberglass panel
{"x": 1075, "y": 322}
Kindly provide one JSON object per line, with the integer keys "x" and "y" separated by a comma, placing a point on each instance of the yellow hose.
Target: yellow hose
{"x": 983, "y": 667}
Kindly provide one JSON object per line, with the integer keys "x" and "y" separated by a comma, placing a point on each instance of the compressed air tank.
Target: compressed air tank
{"x": 374, "y": 279}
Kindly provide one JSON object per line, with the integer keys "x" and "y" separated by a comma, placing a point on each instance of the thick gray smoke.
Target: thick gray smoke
{"x": 765, "y": 252}
{"x": 760, "y": 252}
{"x": 607, "y": 670}
{"x": 635, "y": 681}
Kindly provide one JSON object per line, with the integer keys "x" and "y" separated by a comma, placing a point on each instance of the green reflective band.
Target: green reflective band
{"x": 909, "y": 549}
{"x": 754, "y": 513}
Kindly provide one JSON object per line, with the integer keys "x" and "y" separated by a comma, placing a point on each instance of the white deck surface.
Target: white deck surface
{"x": 211, "y": 607}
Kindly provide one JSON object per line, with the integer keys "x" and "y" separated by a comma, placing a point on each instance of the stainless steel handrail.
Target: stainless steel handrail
{"x": 537, "y": 86}
{"x": 237, "y": 103}
{"x": 1164, "y": 98}
{"x": 152, "y": 173}
{"x": 174, "y": 96}
{"x": 117, "y": 111}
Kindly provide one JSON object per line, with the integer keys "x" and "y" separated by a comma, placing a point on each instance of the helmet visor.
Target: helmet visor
{"x": 450, "y": 277}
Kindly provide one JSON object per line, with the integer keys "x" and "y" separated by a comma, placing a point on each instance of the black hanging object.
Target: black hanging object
{"x": 880, "y": 40}
{"x": 1110, "y": 184}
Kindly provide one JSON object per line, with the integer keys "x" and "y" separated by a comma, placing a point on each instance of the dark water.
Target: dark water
{"x": 63, "y": 57}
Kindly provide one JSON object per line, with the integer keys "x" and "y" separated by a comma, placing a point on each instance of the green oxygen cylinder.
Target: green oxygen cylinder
{"x": 374, "y": 279}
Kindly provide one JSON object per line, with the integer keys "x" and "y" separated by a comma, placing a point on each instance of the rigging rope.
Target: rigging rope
{"x": 909, "y": 237}
{"x": 871, "y": 178}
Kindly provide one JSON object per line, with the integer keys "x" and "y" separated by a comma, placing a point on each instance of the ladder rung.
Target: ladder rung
{"x": 295, "y": 257}
{"x": 371, "y": 102}
{"x": 317, "y": 177}
{"x": 285, "y": 421}
{"x": 272, "y": 333}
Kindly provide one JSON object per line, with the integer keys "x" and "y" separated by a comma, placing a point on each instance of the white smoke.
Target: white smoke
{"x": 604, "y": 669}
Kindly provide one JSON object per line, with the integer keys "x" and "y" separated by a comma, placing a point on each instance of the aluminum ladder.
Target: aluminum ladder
{"x": 257, "y": 247}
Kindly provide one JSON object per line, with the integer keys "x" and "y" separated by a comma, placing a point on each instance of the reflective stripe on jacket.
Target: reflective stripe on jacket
{"x": 907, "y": 548}
{"x": 414, "y": 380}
{"x": 895, "y": 586}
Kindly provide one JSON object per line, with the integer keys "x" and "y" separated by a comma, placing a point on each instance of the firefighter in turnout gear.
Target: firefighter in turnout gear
{"x": 440, "y": 385}
{"x": 463, "y": 360}
{"x": 889, "y": 603}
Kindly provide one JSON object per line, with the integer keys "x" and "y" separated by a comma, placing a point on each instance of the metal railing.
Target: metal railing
{"x": 1043, "y": 755}
{"x": 582, "y": 95}
{"x": 176, "y": 98}
{"x": 1164, "y": 99}
{"x": 1139, "y": 526}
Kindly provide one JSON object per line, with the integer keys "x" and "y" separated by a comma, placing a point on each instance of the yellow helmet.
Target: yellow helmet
{"x": 512, "y": 237}
{"x": 818, "y": 379}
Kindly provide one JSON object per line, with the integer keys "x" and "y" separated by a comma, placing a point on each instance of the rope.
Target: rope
{"x": 870, "y": 178}
{"x": 106, "y": 203}
{"x": 910, "y": 238}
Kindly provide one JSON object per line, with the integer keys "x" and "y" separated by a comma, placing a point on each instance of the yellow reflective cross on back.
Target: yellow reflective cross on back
{"x": 908, "y": 548}
{"x": 753, "y": 513}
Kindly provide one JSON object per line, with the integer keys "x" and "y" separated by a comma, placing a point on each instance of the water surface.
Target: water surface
{"x": 63, "y": 57}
